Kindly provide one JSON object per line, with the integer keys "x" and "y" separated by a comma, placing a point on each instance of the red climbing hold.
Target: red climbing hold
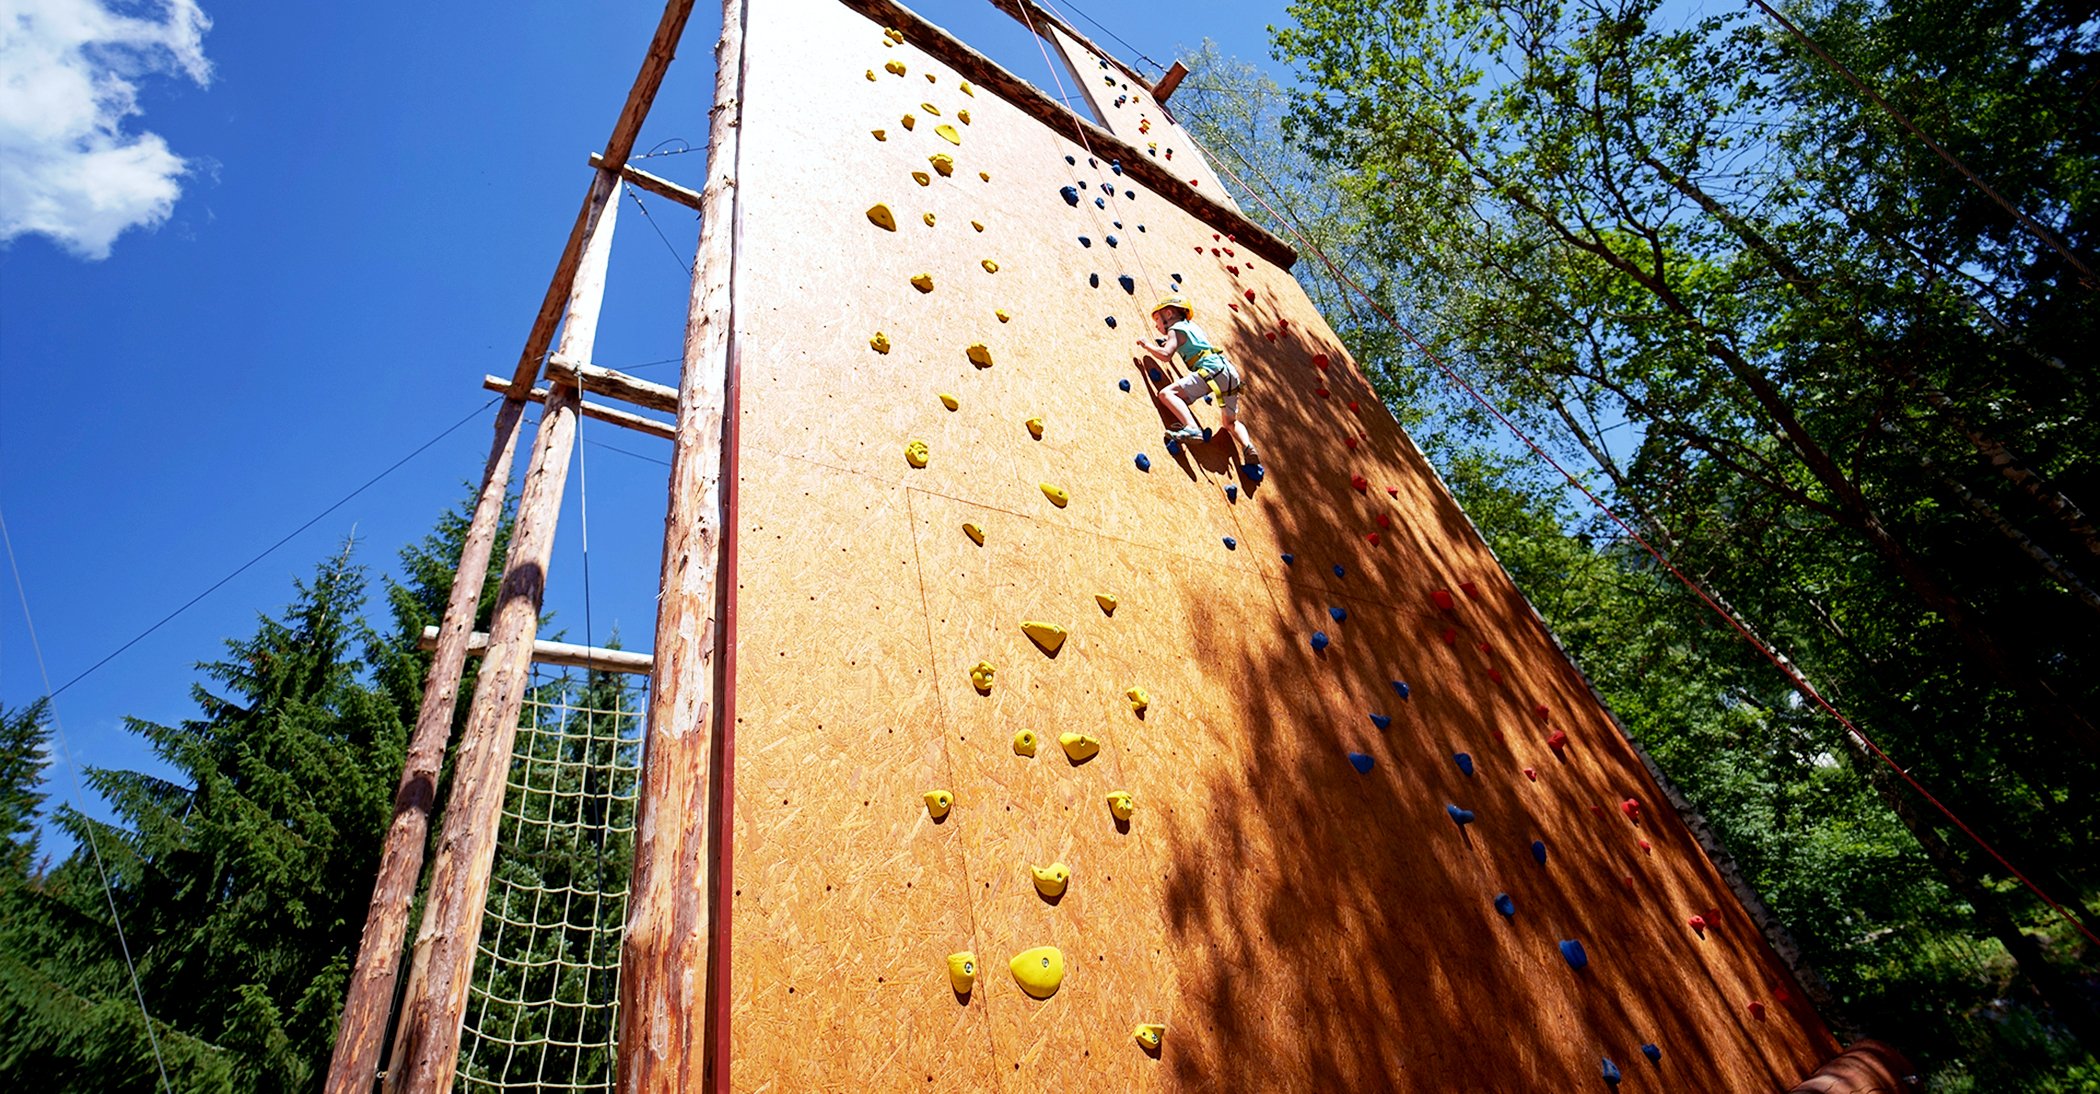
{"x": 1373, "y": 538}
{"x": 1351, "y": 442}
{"x": 1228, "y": 250}
{"x": 1627, "y": 881}
{"x": 1199, "y": 248}
{"x": 1494, "y": 674}
{"x": 1646, "y": 848}
{"x": 1270, "y": 335}
{"x": 1384, "y": 521}
{"x": 1698, "y": 924}
{"x": 1319, "y": 360}
{"x": 1540, "y": 710}
{"x": 1532, "y": 774}
{"x": 1597, "y": 810}
{"x": 1358, "y": 483}
{"x": 1393, "y": 490}
{"x": 1233, "y": 270}
{"x": 1558, "y": 741}
{"x": 1632, "y": 809}
{"x": 1250, "y": 296}
{"x": 1757, "y": 1010}
{"x": 1215, "y": 235}
{"x": 1451, "y": 636}
{"x": 1214, "y": 252}
{"x": 1234, "y": 307}
{"x": 1442, "y": 599}
{"x": 1781, "y": 995}
{"x": 1321, "y": 392}
{"x": 1284, "y": 324}
{"x": 1470, "y": 588}
{"x": 1353, "y": 408}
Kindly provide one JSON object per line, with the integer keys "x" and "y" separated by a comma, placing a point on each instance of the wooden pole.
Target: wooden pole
{"x": 426, "y": 1043}
{"x": 564, "y": 654}
{"x": 594, "y": 411}
{"x": 362, "y": 1030}
{"x": 674, "y": 960}
{"x": 661, "y": 187}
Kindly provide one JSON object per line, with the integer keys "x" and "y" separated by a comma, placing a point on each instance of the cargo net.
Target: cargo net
{"x": 542, "y": 1009}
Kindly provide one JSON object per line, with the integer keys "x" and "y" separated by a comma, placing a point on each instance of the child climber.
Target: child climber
{"x": 1209, "y": 373}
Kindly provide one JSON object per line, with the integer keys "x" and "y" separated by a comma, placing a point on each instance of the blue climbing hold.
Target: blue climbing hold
{"x": 1093, "y": 280}
{"x": 1173, "y": 447}
{"x": 1252, "y": 472}
{"x": 1116, "y": 166}
{"x": 1401, "y": 687}
{"x": 1465, "y": 762}
{"x": 1085, "y": 242}
{"x": 1232, "y": 492}
{"x": 1231, "y": 544}
{"x": 1158, "y": 377}
{"x": 1290, "y": 560}
{"x": 1099, "y": 204}
{"x": 1208, "y": 399}
{"x": 1124, "y": 384}
{"x": 1538, "y": 851}
{"x": 1070, "y": 160}
{"x": 1115, "y": 224}
{"x": 1611, "y": 1072}
{"x": 1070, "y": 194}
{"x": 1141, "y": 227}
{"x": 1092, "y": 162}
{"x": 1460, "y": 817}
{"x": 1382, "y": 721}
{"x": 1360, "y": 762}
{"x": 1338, "y": 571}
{"x": 1131, "y": 194}
{"x": 1572, "y": 950}
{"x": 1129, "y": 285}
{"x": 1338, "y": 614}
{"x": 1206, "y": 434}
{"x": 1110, "y": 320}
{"x": 1110, "y": 240}
{"x": 1654, "y": 1054}
{"x": 1144, "y": 462}
{"x": 1505, "y": 905}
{"x": 1319, "y": 640}
{"x": 1109, "y": 189}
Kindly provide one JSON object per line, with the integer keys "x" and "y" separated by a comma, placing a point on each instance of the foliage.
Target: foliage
{"x": 1824, "y": 375}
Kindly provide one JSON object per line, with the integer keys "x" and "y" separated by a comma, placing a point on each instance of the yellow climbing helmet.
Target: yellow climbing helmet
{"x": 1188, "y": 310}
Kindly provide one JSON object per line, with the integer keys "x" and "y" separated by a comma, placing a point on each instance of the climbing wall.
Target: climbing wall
{"x": 1130, "y": 112}
{"x": 1338, "y": 673}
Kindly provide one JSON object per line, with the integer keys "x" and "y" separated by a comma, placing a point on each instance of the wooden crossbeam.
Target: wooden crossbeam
{"x": 619, "y": 385}
{"x": 661, "y": 187}
{"x": 596, "y": 411}
{"x": 564, "y": 654}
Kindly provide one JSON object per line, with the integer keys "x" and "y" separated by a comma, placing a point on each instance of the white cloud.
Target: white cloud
{"x": 68, "y": 72}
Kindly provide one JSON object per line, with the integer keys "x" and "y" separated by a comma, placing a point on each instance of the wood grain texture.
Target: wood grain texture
{"x": 1298, "y": 926}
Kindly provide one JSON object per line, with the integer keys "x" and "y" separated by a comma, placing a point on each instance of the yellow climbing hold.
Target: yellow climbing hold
{"x": 981, "y": 676}
{"x": 974, "y": 531}
{"x": 979, "y": 355}
{"x": 1078, "y": 746}
{"x": 930, "y": 109}
{"x": 1002, "y": 313}
{"x": 922, "y": 178}
{"x": 985, "y": 175}
{"x": 880, "y": 343}
{"x": 962, "y": 971}
{"x": 908, "y": 121}
{"x": 929, "y": 77}
{"x": 915, "y": 453}
{"x": 949, "y": 401}
{"x": 942, "y": 163}
{"x": 896, "y": 67}
{"x": 880, "y": 135}
{"x": 1107, "y": 602}
{"x": 893, "y": 34}
{"x": 1039, "y": 971}
{"x": 977, "y": 224}
{"x": 1049, "y": 636}
{"x": 1035, "y": 428}
{"x": 928, "y": 218}
{"x": 1050, "y": 880}
{"x": 937, "y": 803}
{"x": 1138, "y": 699}
{"x": 963, "y": 116}
{"x": 1149, "y": 1035}
{"x": 1121, "y": 805}
{"x": 1024, "y": 742}
{"x": 948, "y": 133}
{"x": 989, "y": 266}
{"x": 966, "y": 89}
{"x": 1056, "y": 494}
{"x": 871, "y": 74}
{"x": 922, "y": 282}
{"x": 880, "y": 215}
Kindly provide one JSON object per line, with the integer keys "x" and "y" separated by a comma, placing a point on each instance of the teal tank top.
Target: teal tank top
{"x": 1194, "y": 345}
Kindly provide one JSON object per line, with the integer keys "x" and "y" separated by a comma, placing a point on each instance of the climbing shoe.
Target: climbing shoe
{"x": 1190, "y": 435}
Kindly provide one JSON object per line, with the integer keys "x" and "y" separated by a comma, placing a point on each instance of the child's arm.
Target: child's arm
{"x": 1166, "y": 354}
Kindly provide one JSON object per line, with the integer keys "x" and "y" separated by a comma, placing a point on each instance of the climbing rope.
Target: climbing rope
{"x": 1785, "y": 667}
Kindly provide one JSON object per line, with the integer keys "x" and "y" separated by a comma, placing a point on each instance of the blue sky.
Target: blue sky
{"x": 351, "y": 212}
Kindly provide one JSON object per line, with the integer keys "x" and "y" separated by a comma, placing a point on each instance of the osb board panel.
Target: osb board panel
{"x": 846, "y": 892}
{"x": 1299, "y": 926}
{"x": 1131, "y": 114}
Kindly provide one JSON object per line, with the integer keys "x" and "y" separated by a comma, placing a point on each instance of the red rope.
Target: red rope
{"x": 1800, "y": 683}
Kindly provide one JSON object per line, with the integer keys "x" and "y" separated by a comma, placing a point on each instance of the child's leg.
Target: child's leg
{"x": 1230, "y": 411}
{"x": 1171, "y": 399}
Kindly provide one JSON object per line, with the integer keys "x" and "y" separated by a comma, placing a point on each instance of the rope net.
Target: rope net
{"x": 542, "y": 1009}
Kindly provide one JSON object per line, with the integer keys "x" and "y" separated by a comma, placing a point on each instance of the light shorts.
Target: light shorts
{"x": 1193, "y": 387}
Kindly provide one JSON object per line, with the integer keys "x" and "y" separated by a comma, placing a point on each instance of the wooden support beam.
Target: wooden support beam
{"x": 426, "y": 1041}
{"x": 619, "y": 385}
{"x": 563, "y": 654}
{"x": 662, "y": 47}
{"x": 1167, "y": 83}
{"x": 661, "y": 187}
{"x": 361, "y": 1033}
{"x": 985, "y": 72}
{"x": 595, "y": 411}
{"x": 674, "y": 957}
